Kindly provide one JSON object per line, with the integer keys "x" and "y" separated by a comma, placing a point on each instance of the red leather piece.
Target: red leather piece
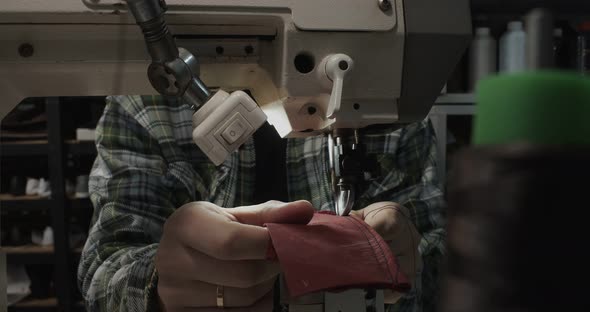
{"x": 332, "y": 253}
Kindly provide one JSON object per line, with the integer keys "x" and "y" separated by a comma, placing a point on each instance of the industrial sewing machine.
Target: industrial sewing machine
{"x": 315, "y": 67}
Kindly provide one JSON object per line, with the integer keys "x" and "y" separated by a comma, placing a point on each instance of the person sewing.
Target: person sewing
{"x": 171, "y": 231}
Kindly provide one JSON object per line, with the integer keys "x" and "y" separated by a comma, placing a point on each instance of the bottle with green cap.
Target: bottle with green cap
{"x": 537, "y": 107}
{"x": 516, "y": 205}
{"x": 542, "y": 106}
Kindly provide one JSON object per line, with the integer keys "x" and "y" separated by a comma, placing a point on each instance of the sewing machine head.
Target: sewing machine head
{"x": 390, "y": 58}
{"x": 313, "y": 66}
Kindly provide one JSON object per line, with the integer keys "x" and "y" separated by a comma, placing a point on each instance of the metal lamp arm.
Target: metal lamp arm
{"x": 173, "y": 71}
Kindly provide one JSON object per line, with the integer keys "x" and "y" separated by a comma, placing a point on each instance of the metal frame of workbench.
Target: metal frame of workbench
{"x": 447, "y": 105}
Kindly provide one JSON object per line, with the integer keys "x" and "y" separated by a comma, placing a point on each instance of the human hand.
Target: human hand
{"x": 205, "y": 246}
{"x": 391, "y": 221}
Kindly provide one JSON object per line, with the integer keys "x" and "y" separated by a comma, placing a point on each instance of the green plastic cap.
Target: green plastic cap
{"x": 544, "y": 108}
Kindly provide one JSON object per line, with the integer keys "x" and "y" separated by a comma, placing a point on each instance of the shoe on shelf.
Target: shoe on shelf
{"x": 18, "y": 185}
{"x": 84, "y": 134}
{"x": 44, "y": 238}
{"x": 47, "y": 236}
{"x": 27, "y": 121}
{"x": 36, "y": 237}
{"x": 44, "y": 188}
{"x": 18, "y": 283}
{"x": 17, "y": 236}
{"x": 70, "y": 188}
{"x": 32, "y": 187}
{"x": 82, "y": 187}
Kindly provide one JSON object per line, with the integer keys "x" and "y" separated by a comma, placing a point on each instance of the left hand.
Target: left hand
{"x": 391, "y": 220}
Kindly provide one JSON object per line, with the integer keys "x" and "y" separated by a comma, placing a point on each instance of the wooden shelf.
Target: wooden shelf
{"x": 24, "y": 142}
{"x": 25, "y": 204}
{"x": 29, "y": 254}
{"x": 41, "y": 147}
{"x": 80, "y": 148}
{"x": 25, "y": 147}
{"x": 32, "y": 203}
{"x": 10, "y": 197}
{"x": 33, "y": 254}
{"x": 26, "y": 250}
{"x": 43, "y": 304}
{"x": 59, "y": 210}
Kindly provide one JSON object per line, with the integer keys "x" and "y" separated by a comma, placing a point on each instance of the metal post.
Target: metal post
{"x": 439, "y": 123}
{"x": 59, "y": 214}
{"x": 3, "y": 286}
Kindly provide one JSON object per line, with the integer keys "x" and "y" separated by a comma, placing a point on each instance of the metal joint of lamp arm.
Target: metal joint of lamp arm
{"x": 226, "y": 121}
{"x": 173, "y": 71}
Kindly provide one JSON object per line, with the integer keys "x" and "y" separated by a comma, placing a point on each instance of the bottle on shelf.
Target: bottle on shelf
{"x": 513, "y": 48}
{"x": 583, "y": 51}
{"x": 482, "y": 56}
{"x": 559, "y": 57}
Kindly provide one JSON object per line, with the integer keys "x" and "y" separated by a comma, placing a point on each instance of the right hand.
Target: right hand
{"x": 204, "y": 246}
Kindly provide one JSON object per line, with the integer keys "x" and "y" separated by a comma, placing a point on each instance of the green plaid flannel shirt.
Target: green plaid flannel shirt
{"x": 148, "y": 165}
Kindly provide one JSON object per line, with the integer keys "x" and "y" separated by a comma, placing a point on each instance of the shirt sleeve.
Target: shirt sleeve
{"x": 409, "y": 177}
{"x": 135, "y": 184}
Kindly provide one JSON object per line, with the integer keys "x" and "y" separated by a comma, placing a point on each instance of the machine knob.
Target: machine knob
{"x": 336, "y": 66}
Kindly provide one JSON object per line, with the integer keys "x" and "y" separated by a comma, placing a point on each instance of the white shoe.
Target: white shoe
{"x": 17, "y": 283}
{"x": 32, "y": 187}
{"x": 36, "y": 237}
{"x": 70, "y": 188}
{"x": 82, "y": 186}
{"x": 47, "y": 237}
{"x": 44, "y": 188}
